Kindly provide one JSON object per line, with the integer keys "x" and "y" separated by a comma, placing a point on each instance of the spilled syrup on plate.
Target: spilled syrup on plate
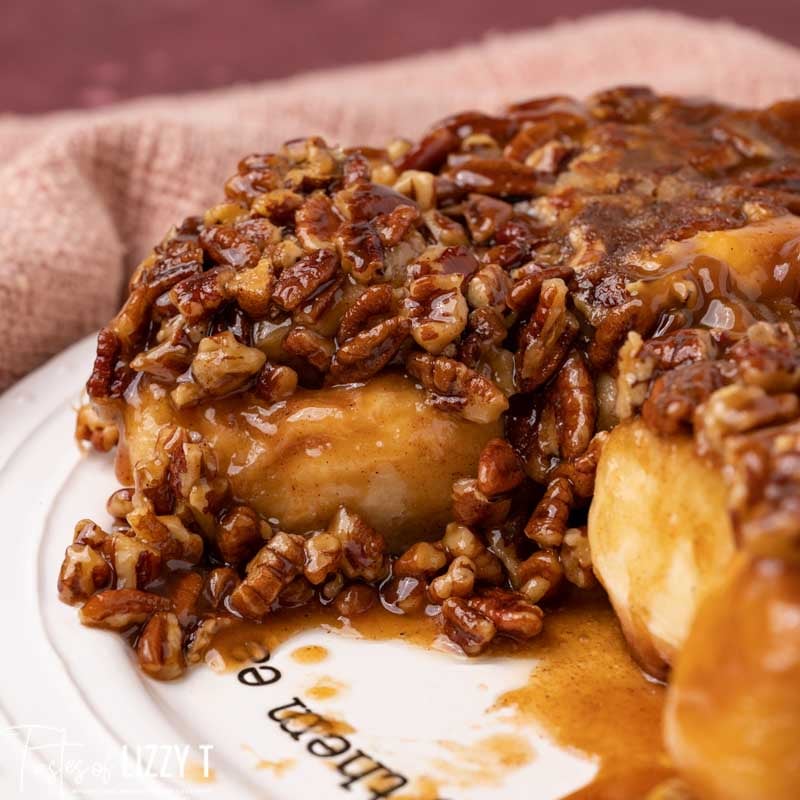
{"x": 584, "y": 691}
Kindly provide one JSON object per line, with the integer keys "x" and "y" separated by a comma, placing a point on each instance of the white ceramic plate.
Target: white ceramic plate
{"x": 78, "y": 719}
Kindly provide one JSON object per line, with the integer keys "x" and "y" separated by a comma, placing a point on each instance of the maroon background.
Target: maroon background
{"x": 67, "y": 53}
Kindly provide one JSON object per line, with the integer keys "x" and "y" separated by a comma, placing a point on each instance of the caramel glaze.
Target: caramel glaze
{"x": 724, "y": 280}
{"x": 586, "y": 692}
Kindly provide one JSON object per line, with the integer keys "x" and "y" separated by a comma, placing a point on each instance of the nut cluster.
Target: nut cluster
{"x": 490, "y": 261}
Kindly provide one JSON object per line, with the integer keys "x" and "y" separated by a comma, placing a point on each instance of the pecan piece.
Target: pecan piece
{"x": 576, "y": 558}
{"x": 548, "y": 523}
{"x": 363, "y": 549}
{"x": 309, "y": 345}
{"x": 472, "y": 507}
{"x": 108, "y": 350}
{"x": 361, "y": 251}
{"x": 367, "y": 353}
{"x": 91, "y": 427}
{"x": 545, "y": 340}
{"x": 239, "y": 534}
{"x": 199, "y": 296}
{"x": 458, "y": 581}
{"x": 323, "y": 556}
{"x": 305, "y": 278}
{"x": 494, "y": 176}
{"x": 316, "y": 223}
{"x": 119, "y": 609}
{"x": 270, "y": 571}
{"x": 159, "y": 648}
{"x": 458, "y": 540}
{"x": 222, "y": 365}
{"x": 276, "y": 383}
{"x": 83, "y": 572}
{"x": 226, "y": 245}
{"x": 485, "y": 216}
{"x": 372, "y": 302}
{"x": 575, "y": 406}
{"x": 539, "y": 576}
{"x": 420, "y": 560}
{"x": 676, "y": 394}
{"x": 499, "y": 468}
{"x": 511, "y": 614}
{"x": 437, "y": 310}
{"x": 469, "y": 629}
{"x": 456, "y": 387}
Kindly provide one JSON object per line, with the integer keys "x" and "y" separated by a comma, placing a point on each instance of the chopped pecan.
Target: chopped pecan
{"x": 676, "y": 394}
{"x": 270, "y": 571}
{"x": 769, "y": 356}
{"x": 499, "y": 468}
{"x": 581, "y": 470}
{"x": 419, "y": 185}
{"x": 316, "y": 223}
{"x": 309, "y": 345}
{"x": 108, "y": 350}
{"x": 91, "y": 427}
{"x": 83, "y": 572}
{"x": 575, "y": 406}
{"x": 199, "y": 296}
{"x": 300, "y": 281}
{"x": 275, "y": 383}
{"x": 119, "y": 609}
{"x": 363, "y": 202}
{"x": 545, "y": 340}
{"x": 226, "y": 245}
{"x": 420, "y": 560}
{"x": 431, "y": 151}
{"x": 539, "y": 576}
{"x": 511, "y": 614}
{"x": 485, "y": 216}
{"x": 469, "y": 629}
{"x": 159, "y": 648}
{"x": 550, "y": 518}
{"x": 252, "y": 288}
{"x": 222, "y": 365}
{"x": 239, "y": 534}
{"x": 494, "y": 176}
{"x": 472, "y": 507}
{"x": 220, "y": 582}
{"x": 355, "y": 599}
{"x": 458, "y": 581}
{"x": 323, "y": 556}
{"x": 446, "y": 231}
{"x": 737, "y": 409}
{"x": 177, "y": 260}
{"x": 368, "y": 352}
{"x": 404, "y": 593}
{"x": 458, "y": 540}
{"x": 489, "y": 288}
{"x": 363, "y": 549}
{"x": 445, "y": 260}
{"x": 372, "y": 302}
{"x": 576, "y": 558}
{"x": 437, "y": 310}
{"x": 528, "y": 286}
{"x": 455, "y": 387}
{"x": 361, "y": 251}
{"x": 120, "y": 502}
{"x": 396, "y": 225}
{"x": 136, "y": 563}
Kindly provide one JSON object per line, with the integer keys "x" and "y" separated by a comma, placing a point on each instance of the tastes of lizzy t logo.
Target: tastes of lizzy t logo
{"x": 49, "y": 755}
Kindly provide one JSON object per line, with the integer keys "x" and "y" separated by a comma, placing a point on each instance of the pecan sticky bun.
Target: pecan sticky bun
{"x": 524, "y": 352}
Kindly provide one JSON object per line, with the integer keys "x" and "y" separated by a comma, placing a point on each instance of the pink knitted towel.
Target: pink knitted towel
{"x": 83, "y": 196}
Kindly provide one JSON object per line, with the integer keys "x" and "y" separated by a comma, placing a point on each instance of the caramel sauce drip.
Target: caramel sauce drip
{"x": 585, "y": 692}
